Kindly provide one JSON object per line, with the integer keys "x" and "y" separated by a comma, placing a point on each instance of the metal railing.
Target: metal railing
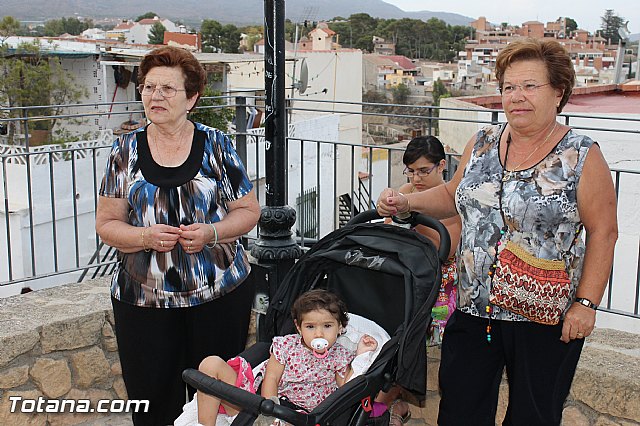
{"x": 49, "y": 193}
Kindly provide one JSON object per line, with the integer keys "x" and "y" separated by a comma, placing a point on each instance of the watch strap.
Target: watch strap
{"x": 586, "y": 302}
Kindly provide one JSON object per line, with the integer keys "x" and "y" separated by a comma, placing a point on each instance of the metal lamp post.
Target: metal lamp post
{"x": 275, "y": 248}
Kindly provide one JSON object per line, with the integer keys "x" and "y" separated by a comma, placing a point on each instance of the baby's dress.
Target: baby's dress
{"x": 307, "y": 380}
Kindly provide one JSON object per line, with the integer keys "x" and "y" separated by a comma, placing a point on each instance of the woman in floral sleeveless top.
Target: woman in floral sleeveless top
{"x": 534, "y": 183}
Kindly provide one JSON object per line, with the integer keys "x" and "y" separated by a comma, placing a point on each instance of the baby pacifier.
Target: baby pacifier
{"x": 320, "y": 344}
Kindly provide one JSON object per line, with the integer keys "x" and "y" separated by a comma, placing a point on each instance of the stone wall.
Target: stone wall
{"x": 59, "y": 344}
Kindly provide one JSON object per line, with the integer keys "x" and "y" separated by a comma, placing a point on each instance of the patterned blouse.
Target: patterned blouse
{"x": 539, "y": 203}
{"x": 194, "y": 192}
{"x": 307, "y": 380}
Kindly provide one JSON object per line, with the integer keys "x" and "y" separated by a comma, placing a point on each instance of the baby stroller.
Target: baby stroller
{"x": 388, "y": 274}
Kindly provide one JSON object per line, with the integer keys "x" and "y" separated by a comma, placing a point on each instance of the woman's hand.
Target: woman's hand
{"x": 391, "y": 202}
{"x": 161, "y": 238}
{"x": 578, "y": 322}
{"x": 194, "y": 237}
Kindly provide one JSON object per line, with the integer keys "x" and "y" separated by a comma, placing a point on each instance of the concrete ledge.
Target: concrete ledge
{"x": 59, "y": 343}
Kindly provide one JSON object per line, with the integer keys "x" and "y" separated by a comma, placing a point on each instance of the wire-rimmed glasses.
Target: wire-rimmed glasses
{"x": 421, "y": 172}
{"x": 164, "y": 90}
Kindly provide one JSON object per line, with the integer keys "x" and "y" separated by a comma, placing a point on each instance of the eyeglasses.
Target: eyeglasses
{"x": 526, "y": 88}
{"x": 165, "y": 91}
{"x": 422, "y": 172}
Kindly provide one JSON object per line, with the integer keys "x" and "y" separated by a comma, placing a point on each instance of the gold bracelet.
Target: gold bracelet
{"x": 215, "y": 239}
{"x": 144, "y": 246}
{"x": 408, "y": 202}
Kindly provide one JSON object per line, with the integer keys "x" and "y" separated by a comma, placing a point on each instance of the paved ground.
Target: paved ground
{"x": 119, "y": 420}
{"x": 112, "y": 420}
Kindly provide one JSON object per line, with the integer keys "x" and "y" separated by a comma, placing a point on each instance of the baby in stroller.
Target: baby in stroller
{"x": 303, "y": 369}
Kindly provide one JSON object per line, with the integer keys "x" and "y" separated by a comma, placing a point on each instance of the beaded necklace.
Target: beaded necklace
{"x": 503, "y": 231}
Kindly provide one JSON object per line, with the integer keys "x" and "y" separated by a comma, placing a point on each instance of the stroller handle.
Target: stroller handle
{"x": 415, "y": 219}
{"x": 252, "y": 403}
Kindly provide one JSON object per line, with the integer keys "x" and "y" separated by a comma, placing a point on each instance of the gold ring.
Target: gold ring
{"x": 580, "y": 335}
{"x": 161, "y": 243}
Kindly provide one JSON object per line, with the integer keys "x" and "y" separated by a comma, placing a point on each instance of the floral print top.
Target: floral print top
{"x": 307, "y": 380}
{"x": 196, "y": 191}
{"x": 540, "y": 204}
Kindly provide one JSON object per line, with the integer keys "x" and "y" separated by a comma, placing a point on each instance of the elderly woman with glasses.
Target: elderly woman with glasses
{"x": 529, "y": 283}
{"x": 174, "y": 201}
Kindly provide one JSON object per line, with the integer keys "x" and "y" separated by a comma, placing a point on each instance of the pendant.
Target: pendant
{"x": 508, "y": 175}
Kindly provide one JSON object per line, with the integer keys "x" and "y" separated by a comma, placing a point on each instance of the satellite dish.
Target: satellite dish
{"x": 624, "y": 32}
{"x": 303, "y": 81}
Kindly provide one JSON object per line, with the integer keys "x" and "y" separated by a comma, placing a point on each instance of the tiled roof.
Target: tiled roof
{"x": 402, "y": 61}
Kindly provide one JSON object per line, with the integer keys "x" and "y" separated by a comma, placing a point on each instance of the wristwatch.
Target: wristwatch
{"x": 586, "y": 302}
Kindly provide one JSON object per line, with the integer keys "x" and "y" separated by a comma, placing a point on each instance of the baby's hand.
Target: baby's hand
{"x": 366, "y": 344}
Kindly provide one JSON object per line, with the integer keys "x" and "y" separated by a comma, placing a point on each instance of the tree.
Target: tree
{"x": 148, "y": 15}
{"x": 211, "y": 34}
{"x": 30, "y": 78}
{"x": 254, "y": 34}
{"x": 73, "y": 26}
{"x": 610, "y": 25}
{"x": 9, "y": 26}
{"x": 570, "y": 26}
{"x": 214, "y": 117}
{"x": 230, "y": 39}
{"x": 156, "y": 34}
{"x": 400, "y": 93}
{"x": 414, "y": 38}
{"x": 218, "y": 38}
{"x": 439, "y": 91}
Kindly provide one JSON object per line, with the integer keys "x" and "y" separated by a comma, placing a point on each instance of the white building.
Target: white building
{"x": 94, "y": 34}
{"x": 140, "y": 31}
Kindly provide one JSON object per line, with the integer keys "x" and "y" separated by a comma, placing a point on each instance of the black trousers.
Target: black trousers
{"x": 540, "y": 369}
{"x": 155, "y": 345}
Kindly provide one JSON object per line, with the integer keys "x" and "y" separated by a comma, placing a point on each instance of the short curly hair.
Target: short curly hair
{"x": 556, "y": 59}
{"x": 195, "y": 76}
{"x": 317, "y": 299}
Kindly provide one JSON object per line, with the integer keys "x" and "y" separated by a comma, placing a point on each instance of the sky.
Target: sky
{"x": 586, "y": 13}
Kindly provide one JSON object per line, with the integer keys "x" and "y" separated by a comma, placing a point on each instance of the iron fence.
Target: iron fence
{"x": 340, "y": 156}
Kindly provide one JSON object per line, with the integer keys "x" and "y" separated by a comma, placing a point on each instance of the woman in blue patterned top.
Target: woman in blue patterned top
{"x": 524, "y": 190}
{"x": 174, "y": 201}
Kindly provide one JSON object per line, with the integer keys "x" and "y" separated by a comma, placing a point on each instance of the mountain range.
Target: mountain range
{"x": 192, "y": 12}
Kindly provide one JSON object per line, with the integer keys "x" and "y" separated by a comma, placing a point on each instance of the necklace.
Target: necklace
{"x": 503, "y": 231}
{"x": 510, "y": 174}
{"x": 171, "y": 154}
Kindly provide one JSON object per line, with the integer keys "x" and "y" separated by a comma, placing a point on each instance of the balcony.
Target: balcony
{"x": 336, "y": 168}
